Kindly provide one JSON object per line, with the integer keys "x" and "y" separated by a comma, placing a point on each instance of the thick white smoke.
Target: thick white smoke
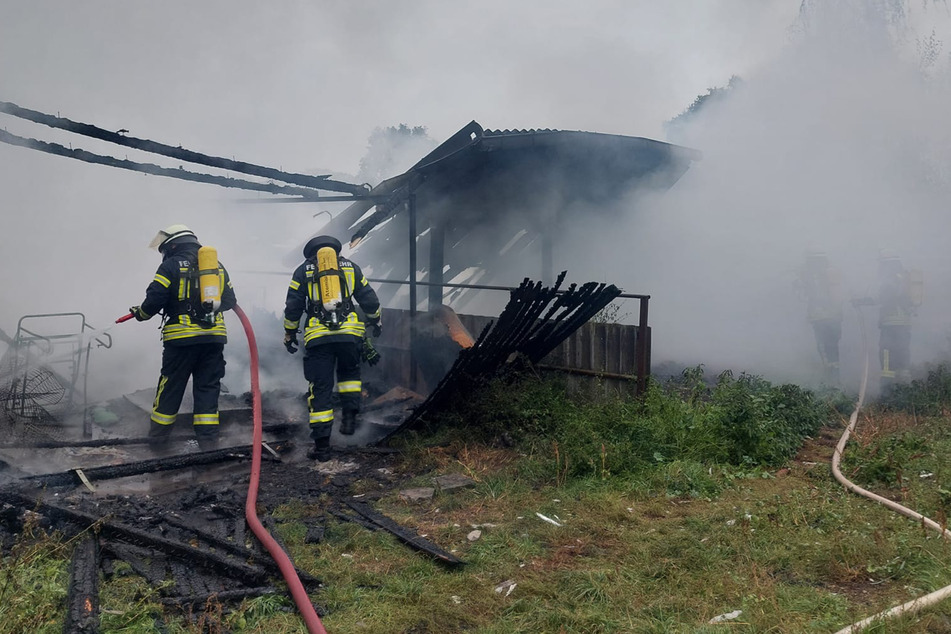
{"x": 841, "y": 145}
{"x": 838, "y": 145}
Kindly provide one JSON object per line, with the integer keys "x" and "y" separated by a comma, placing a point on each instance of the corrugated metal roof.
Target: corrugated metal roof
{"x": 484, "y": 185}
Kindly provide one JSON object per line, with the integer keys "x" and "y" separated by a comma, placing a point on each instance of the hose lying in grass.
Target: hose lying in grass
{"x": 915, "y": 604}
{"x": 299, "y": 594}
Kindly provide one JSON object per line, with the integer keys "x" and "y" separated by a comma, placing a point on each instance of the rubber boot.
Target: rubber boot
{"x": 321, "y": 450}
{"x": 160, "y": 439}
{"x": 207, "y": 443}
{"x": 348, "y": 424}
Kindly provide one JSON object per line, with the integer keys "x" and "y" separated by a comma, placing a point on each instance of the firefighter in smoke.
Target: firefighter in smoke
{"x": 323, "y": 288}
{"x": 191, "y": 289}
{"x": 899, "y": 296}
{"x": 820, "y": 283}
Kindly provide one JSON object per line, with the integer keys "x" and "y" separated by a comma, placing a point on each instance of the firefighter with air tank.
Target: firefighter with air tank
{"x": 821, "y": 286}
{"x": 900, "y": 293}
{"x": 322, "y": 290}
{"x": 192, "y": 289}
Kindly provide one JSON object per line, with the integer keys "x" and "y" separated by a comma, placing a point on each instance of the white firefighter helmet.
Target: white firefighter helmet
{"x": 169, "y": 233}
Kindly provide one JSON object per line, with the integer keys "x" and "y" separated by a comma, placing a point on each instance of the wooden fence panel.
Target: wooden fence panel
{"x": 597, "y": 359}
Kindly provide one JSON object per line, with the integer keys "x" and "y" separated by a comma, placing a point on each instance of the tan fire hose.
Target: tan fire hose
{"x": 915, "y": 604}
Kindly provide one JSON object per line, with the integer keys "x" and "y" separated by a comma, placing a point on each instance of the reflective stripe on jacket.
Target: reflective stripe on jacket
{"x": 302, "y": 288}
{"x": 171, "y": 292}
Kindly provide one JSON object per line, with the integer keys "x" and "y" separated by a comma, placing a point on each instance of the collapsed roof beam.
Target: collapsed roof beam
{"x": 85, "y": 129}
{"x": 389, "y": 208}
{"x": 149, "y": 168}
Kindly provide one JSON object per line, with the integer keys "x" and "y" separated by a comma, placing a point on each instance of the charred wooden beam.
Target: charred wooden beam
{"x": 82, "y": 602}
{"x": 275, "y": 428}
{"x": 72, "y": 478}
{"x": 249, "y": 574}
{"x": 354, "y": 519}
{"x": 85, "y": 129}
{"x": 534, "y": 322}
{"x": 157, "y": 170}
{"x": 310, "y": 582}
{"x": 221, "y": 597}
{"x": 145, "y": 562}
{"x": 404, "y": 534}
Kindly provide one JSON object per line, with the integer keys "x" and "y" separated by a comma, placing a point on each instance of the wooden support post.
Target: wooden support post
{"x": 437, "y": 261}
{"x": 413, "y": 381}
{"x": 642, "y": 362}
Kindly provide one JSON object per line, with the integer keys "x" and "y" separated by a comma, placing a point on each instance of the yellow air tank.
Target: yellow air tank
{"x": 209, "y": 283}
{"x": 329, "y": 278}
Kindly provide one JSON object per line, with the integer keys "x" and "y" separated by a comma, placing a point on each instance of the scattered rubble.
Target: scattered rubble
{"x": 507, "y": 586}
{"x": 453, "y": 481}
{"x": 417, "y": 494}
{"x": 548, "y": 519}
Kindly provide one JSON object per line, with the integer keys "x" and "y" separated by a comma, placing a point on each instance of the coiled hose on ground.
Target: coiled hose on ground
{"x": 915, "y": 604}
{"x": 304, "y": 605}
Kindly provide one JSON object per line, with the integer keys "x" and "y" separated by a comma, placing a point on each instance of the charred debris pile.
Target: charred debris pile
{"x": 178, "y": 520}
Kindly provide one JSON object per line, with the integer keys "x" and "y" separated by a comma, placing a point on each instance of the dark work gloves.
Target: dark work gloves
{"x": 139, "y": 314}
{"x": 369, "y": 354}
{"x": 375, "y": 327}
{"x": 290, "y": 340}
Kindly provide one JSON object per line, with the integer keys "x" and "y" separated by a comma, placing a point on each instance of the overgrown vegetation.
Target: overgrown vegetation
{"x": 738, "y": 421}
{"x": 927, "y": 396}
{"x": 33, "y": 581}
{"x": 617, "y": 516}
{"x": 904, "y": 452}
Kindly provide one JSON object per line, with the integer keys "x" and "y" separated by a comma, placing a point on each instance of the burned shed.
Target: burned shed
{"x": 487, "y": 210}
{"x": 482, "y": 205}
{"x": 485, "y": 200}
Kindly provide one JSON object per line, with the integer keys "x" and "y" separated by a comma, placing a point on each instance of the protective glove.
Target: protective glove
{"x": 138, "y": 313}
{"x": 290, "y": 341}
{"x": 375, "y": 328}
{"x": 369, "y": 354}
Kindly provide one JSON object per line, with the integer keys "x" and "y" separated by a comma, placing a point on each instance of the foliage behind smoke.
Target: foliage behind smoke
{"x": 393, "y": 150}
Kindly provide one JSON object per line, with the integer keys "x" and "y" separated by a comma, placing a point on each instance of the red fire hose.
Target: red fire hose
{"x": 314, "y": 626}
{"x": 311, "y": 620}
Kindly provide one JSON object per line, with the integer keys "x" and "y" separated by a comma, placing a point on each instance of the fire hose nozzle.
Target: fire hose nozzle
{"x": 124, "y": 318}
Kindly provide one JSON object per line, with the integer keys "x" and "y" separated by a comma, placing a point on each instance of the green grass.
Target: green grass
{"x": 687, "y": 505}
{"x": 33, "y": 582}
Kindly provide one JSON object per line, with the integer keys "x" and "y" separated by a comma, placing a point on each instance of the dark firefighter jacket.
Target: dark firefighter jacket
{"x": 173, "y": 290}
{"x": 822, "y": 289}
{"x": 897, "y": 299}
{"x": 302, "y": 288}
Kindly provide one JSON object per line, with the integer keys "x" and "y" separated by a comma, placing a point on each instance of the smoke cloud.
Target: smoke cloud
{"x": 834, "y": 142}
{"x": 839, "y": 145}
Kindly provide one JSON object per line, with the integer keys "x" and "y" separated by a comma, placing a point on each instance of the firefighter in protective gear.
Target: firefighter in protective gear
{"x": 899, "y": 296}
{"x": 322, "y": 289}
{"x": 821, "y": 286}
{"x": 193, "y": 336}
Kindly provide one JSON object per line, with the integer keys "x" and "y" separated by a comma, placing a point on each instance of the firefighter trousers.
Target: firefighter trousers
{"x": 894, "y": 355}
{"x": 322, "y": 362}
{"x": 828, "y": 332}
{"x": 204, "y": 363}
